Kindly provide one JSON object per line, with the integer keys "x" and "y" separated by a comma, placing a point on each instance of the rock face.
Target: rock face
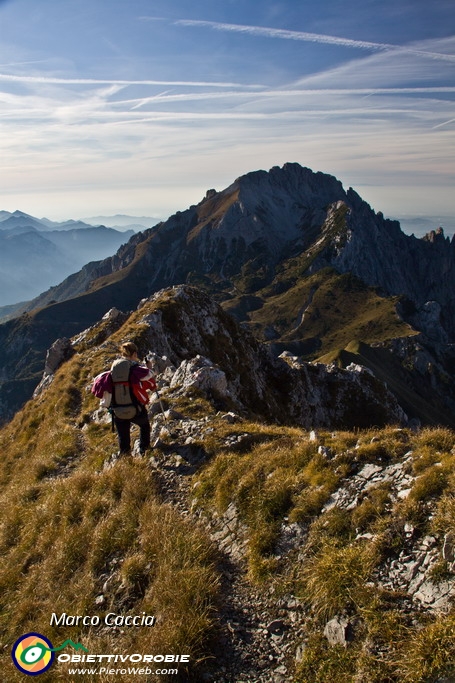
{"x": 377, "y": 252}
{"x": 206, "y": 350}
{"x": 60, "y": 351}
{"x": 200, "y": 373}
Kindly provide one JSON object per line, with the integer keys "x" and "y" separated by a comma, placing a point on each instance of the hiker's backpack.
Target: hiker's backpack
{"x": 124, "y": 403}
{"x": 138, "y": 381}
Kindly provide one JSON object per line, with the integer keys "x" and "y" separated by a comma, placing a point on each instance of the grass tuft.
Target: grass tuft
{"x": 334, "y": 579}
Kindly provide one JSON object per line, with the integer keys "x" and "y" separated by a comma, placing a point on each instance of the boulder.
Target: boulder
{"x": 60, "y": 351}
{"x": 200, "y": 373}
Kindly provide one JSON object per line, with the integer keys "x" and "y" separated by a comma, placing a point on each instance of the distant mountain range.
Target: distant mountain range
{"x": 420, "y": 225}
{"x": 308, "y": 267}
{"x": 123, "y": 222}
{"x": 37, "y": 253}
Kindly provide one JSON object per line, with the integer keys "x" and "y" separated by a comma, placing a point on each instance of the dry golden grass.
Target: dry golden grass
{"x": 285, "y": 479}
{"x": 71, "y": 531}
{"x": 89, "y": 528}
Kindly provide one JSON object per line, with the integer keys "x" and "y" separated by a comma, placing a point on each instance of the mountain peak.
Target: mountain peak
{"x": 436, "y": 236}
{"x": 21, "y": 214}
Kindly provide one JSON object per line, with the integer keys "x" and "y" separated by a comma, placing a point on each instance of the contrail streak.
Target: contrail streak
{"x": 313, "y": 38}
{"x": 95, "y": 81}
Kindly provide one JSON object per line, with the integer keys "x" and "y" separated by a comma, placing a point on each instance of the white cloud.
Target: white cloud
{"x": 388, "y": 70}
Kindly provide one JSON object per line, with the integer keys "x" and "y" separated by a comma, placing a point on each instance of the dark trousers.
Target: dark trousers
{"x": 123, "y": 431}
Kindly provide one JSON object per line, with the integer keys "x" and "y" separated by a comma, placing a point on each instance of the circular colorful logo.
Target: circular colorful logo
{"x": 32, "y": 654}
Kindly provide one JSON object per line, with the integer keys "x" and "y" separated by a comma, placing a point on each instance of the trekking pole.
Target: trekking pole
{"x": 161, "y": 405}
{"x": 147, "y": 359}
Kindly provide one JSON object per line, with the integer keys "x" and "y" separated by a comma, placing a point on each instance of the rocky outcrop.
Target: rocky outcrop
{"x": 212, "y": 353}
{"x": 200, "y": 373}
{"x": 60, "y": 351}
{"x": 382, "y": 256}
{"x": 411, "y": 570}
{"x": 194, "y": 345}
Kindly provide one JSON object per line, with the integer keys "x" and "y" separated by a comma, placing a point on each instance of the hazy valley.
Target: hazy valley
{"x": 37, "y": 253}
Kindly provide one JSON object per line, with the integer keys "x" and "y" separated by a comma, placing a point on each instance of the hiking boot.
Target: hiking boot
{"x": 140, "y": 451}
{"x": 112, "y": 459}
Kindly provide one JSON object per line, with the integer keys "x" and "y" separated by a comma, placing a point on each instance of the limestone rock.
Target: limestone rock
{"x": 200, "y": 373}
{"x": 60, "y": 351}
{"x": 339, "y": 631}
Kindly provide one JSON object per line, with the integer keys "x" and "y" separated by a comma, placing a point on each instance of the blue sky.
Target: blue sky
{"x": 140, "y": 106}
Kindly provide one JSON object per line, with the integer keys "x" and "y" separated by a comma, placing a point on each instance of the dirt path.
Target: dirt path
{"x": 259, "y": 633}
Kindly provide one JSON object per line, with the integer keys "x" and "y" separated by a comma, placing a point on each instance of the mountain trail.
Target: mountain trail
{"x": 257, "y": 636}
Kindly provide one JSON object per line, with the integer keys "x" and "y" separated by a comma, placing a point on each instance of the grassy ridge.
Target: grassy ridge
{"x": 330, "y": 310}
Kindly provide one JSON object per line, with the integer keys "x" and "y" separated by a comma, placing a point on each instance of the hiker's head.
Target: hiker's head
{"x": 128, "y": 349}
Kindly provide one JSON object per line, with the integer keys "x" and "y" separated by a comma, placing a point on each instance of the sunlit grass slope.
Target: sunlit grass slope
{"x": 326, "y": 311}
{"x": 287, "y": 479}
{"x": 71, "y": 532}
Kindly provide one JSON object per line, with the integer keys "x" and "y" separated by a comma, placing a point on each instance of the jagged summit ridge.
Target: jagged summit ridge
{"x": 260, "y": 217}
{"x": 286, "y": 200}
{"x": 263, "y": 218}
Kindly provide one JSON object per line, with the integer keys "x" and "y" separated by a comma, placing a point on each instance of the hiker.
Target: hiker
{"x": 139, "y": 374}
{"x": 123, "y": 390}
